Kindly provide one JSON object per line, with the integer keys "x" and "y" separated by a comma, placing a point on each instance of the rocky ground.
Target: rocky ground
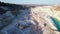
{"x": 42, "y": 14}
{"x": 34, "y": 20}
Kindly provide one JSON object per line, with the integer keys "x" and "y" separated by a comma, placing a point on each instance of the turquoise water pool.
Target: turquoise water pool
{"x": 56, "y": 22}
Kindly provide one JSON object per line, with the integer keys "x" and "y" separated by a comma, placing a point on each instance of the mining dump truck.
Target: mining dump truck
{"x": 19, "y": 18}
